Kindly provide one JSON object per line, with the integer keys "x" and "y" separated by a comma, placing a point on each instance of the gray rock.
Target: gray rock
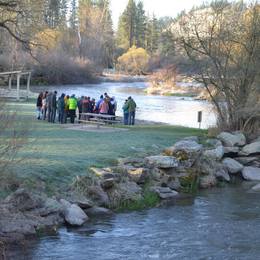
{"x": 81, "y": 201}
{"x": 207, "y": 181}
{"x": 51, "y": 206}
{"x": 251, "y": 173}
{"x": 124, "y": 191}
{"x": 98, "y": 195}
{"x": 228, "y": 139}
{"x": 246, "y": 160}
{"x": 174, "y": 185}
{"x": 256, "y": 188}
{"x": 222, "y": 174}
{"x": 23, "y": 200}
{"x": 73, "y": 214}
{"x": 231, "y": 150}
{"x": 215, "y": 154}
{"x": 165, "y": 192}
{"x": 138, "y": 175}
{"x": 162, "y": 161}
{"x": 253, "y": 148}
{"x": 98, "y": 212}
{"x": 187, "y": 146}
{"x": 232, "y": 165}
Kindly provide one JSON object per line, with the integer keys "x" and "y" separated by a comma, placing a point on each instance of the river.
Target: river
{"x": 222, "y": 223}
{"x": 166, "y": 109}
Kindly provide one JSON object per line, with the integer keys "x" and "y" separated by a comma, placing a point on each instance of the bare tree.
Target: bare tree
{"x": 223, "y": 42}
{"x": 20, "y": 18}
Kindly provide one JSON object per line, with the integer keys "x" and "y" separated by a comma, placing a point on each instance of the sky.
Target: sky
{"x": 158, "y": 7}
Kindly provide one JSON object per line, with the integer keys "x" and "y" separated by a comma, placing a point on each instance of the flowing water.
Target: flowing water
{"x": 166, "y": 109}
{"x": 222, "y": 223}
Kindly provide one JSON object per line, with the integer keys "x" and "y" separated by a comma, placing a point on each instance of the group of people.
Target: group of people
{"x": 65, "y": 106}
{"x": 49, "y": 106}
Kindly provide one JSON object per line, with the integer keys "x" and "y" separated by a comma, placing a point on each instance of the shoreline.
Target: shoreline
{"x": 176, "y": 173}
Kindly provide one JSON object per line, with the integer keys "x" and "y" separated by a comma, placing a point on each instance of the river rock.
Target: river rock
{"x": 98, "y": 212}
{"x": 98, "y": 195}
{"x": 207, "y": 181}
{"x": 215, "y": 154}
{"x": 256, "y": 187}
{"x": 253, "y": 148}
{"x": 232, "y": 165}
{"x": 73, "y": 214}
{"x": 222, "y": 174}
{"x": 80, "y": 200}
{"x": 231, "y": 151}
{"x": 186, "y": 146}
{"x": 124, "y": 191}
{"x": 246, "y": 160}
{"x": 23, "y": 200}
{"x": 164, "y": 192}
{"x": 228, "y": 139}
{"x": 251, "y": 173}
{"x": 162, "y": 161}
{"x": 138, "y": 175}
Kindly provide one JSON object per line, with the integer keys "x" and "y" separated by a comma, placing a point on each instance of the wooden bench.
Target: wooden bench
{"x": 99, "y": 119}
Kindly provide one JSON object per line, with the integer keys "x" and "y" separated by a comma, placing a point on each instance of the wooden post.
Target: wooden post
{"x": 28, "y": 84}
{"x": 10, "y": 82}
{"x": 18, "y": 86}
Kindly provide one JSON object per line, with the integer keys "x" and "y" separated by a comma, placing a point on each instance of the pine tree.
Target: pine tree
{"x": 73, "y": 15}
{"x": 140, "y": 25}
{"x": 127, "y": 26}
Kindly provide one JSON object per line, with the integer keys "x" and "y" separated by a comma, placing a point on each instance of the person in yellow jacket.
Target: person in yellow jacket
{"x": 73, "y": 103}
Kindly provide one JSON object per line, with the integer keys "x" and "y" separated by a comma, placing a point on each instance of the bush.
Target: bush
{"x": 135, "y": 61}
{"x": 60, "y": 68}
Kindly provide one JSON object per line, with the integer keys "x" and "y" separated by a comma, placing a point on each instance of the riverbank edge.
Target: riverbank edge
{"x": 180, "y": 170}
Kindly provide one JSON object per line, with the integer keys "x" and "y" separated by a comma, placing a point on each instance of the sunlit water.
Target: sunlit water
{"x": 222, "y": 223}
{"x": 166, "y": 109}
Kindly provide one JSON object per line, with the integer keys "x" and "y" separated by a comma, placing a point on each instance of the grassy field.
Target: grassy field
{"x": 54, "y": 155}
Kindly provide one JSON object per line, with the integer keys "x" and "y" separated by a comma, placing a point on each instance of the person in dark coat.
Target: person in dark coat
{"x": 53, "y": 106}
{"x": 61, "y": 109}
{"x": 39, "y": 106}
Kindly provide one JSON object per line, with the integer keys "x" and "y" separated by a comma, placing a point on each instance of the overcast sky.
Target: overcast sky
{"x": 158, "y": 7}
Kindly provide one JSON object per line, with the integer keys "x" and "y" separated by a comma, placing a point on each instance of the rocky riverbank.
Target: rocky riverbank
{"x": 134, "y": 183}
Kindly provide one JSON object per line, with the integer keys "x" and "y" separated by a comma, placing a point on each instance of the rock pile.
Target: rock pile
{"x": 180, "y": 168}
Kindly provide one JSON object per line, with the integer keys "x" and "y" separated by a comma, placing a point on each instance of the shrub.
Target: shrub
{"x": 135, "y": 61}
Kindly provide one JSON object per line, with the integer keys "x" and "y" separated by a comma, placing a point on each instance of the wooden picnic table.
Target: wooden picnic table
{"x": 98, "y": 119}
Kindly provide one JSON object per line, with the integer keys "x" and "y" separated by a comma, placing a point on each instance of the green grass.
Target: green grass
{"x": 54, "y": 155}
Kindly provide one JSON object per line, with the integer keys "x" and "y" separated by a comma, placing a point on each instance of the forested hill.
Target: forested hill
{"x": 71, "y": 41}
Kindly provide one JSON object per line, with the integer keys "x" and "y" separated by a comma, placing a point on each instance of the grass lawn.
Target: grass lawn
{"x": 55, "y": 155}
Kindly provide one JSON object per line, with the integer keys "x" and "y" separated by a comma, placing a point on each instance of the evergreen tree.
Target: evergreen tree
{"x": 152, "y": 35}
{"x": 73, "y": 15}
{"x": 127, "y": 26}
{"x": 140, "y": 25}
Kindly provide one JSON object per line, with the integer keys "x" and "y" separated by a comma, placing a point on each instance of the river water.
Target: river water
{"x": 166, "y": 109}
{"x": 222, "y": 223}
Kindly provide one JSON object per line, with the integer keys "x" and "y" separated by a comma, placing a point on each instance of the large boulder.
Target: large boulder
{"x": 246, "y": 160}
{"x": 215, "y": 154}
{"x": 23, "y": 200}
{"x": 253, "y": 148}
{"x": 98, "y": 195}
{"x": 251, "y": 173}
{"x": 73, "y": 214}
{"x": 231, "y": 151}
{"x": 161, "y": 161}
{"x": 228, "y": 139}
{"x": 186, "y": 146}
{"x": 232, "y": 165}
{"x": 124, "y": 191}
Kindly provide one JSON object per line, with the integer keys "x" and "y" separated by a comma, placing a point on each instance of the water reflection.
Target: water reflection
{"x": 171, "y": 110}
